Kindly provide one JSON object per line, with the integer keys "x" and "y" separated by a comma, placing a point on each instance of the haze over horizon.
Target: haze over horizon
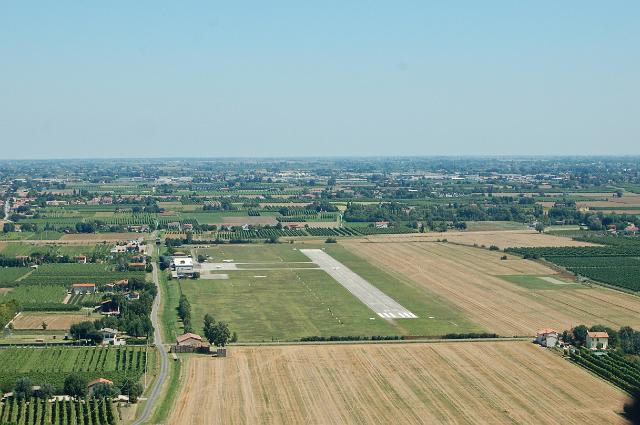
{"x": 150, "y": 79}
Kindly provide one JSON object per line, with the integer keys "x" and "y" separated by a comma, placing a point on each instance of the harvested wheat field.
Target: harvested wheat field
{"x": 500, "y": 238}
{"x": 99, "y": 237}
{"x": 54, "y": 321}
{"x": 469, "y": 278}
{"x": 464, "y": 382}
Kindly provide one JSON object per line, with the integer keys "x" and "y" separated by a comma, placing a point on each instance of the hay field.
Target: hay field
{"x": 55, "y": 321}
{"x": 468, "y": 382}
{"x": 500, "y": 238}
{"x": 469, "y": 278}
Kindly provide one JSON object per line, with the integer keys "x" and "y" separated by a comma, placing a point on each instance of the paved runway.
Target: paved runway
{"x": 374, "y": 298}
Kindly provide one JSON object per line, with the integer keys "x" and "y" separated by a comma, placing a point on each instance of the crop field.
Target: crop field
{"x": 32, "y": 321}
{"x": 15, "y": 249}
{"x": 36, "y": 295}
{"x": 9, "y": 275}
{"x": 470, "y": 278}
{"x": 483, "y": 382}
{"x": 53, "y": 364}
{"x": 280, "y": 303}
{"x": 36, "y": 412}
{"x": 501, "y": 239}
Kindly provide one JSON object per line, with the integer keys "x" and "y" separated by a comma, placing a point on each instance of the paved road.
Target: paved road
{"x": 164, "y": 360}
{"x": 385, "y": 306}
{"x": 7, "y": 208}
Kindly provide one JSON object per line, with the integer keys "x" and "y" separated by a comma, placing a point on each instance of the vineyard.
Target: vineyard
{"x": 617, "y": 263}
{"x": 36, "y": 295}
{"x": 73, "y": 412}
{"x": 613, "y": 367}
{"x": 53, "y": 364}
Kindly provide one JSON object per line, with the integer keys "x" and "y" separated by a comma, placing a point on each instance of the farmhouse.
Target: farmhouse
{"x": 382, "y": 224}
{"x": 597, "y": 340}
{"x": 110, "y": 337}
{"x": 92, "y": 384}
{"x": 107, "y": 307}
{"x": 547, "y": 337}
{"x": 190, "y": 343}
{"x": 83, "y": 288}
{"x": 80, "y": 259}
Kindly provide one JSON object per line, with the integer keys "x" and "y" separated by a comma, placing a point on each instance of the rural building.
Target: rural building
{"x": 108, "y": 308}
{"x": 190, "y": 343}
{"x": 110, "y": 337}
{"x": 382, "y": 224}
{"x": 81, "y": 259}
{"x": 597, "y": 340}
{"x": 83, "y": 288}
{"x": 92, "y": 384}
{"x": 547, "y": 337}
{"x": 183, "y": 266}
{"x": 133, "y": 296}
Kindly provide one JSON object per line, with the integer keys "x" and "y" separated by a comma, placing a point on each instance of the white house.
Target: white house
{"x": 110, "y": 337}
{"x": 547, "y": 337}
{"x": 183, "y": 266}
{"x": 597, "y": 340}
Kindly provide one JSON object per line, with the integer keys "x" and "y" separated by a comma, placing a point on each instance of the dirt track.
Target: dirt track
{"x": 500, "y": 238}
{"x": 468, "y": 277}
{"x": 481, "y": 383}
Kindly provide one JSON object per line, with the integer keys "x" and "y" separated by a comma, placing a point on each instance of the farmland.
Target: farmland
{"x": 470, "y": 278}
{"x": 53, "y": 364}
{"x": 68, "y": 274}
{"x": 76, "y": 412}
{"x": 498, "y": 383}
{"x": 616, "y": 262}
{"x": 56, "y": 321}
{"x": 284, "y": 303}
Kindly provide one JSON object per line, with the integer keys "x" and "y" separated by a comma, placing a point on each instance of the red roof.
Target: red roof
{"x": 84, "y": 285}
{"x": 99, "y": 381}
{"x": 187, "y": 336}
{"x": 598, "y": 334}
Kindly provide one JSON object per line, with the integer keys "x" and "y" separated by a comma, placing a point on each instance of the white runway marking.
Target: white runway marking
{"x": 375, "y": 299}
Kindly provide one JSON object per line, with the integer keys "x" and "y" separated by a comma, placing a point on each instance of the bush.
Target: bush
{"x": 331, "y": 240}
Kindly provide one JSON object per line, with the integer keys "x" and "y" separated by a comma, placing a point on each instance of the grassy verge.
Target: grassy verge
{"x": 170, "y": 390}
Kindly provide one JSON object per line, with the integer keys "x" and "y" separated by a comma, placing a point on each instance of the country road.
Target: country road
{"x": 152, "y": 399}
{"x": 7, "y": 209}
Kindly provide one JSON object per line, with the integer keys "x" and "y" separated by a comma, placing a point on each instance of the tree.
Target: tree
{"x": 44, "y": 325}
{"x": 539, "y": 227}
{"x": 580, "y": 334}
{"x": 132, "y": 389}
{"x": 23, "y": 389}
{"x": 46, "y": 391}
{"x": 222, "y": 334}
{"x": 75, "y": 385}
{"x": 85, "y": 330}
{"x": 101, "y": 390}
{"x": 8, "y": 227}
{"x": 209, "y": 329}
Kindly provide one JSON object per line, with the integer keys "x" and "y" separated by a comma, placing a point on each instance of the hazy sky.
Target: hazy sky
{"x": 270, "y": 78}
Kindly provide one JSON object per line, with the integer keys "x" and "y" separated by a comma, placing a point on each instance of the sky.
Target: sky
{"x": 275, "y": 78}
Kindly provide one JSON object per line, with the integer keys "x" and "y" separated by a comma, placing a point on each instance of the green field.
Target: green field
{"x": 53, "y": 364}
{"x": 8, "y": 275}
{"x": 289, "y": 304}
{"x": 536, "y": 282}
{"x": 34, "y": 295}
{"x": 76, "y": 412}
{"x": 16, "y": 249}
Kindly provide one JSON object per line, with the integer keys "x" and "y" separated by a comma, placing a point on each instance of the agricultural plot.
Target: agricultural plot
{"x": 39, "y": 297}
{"x": 9, "y": 275}
{"x": 501, "y": 239}
{"x": 483, "y": 382}
{"x": 471, "y": 279}
{"x": 617, "y": 263}
{"x": 53, "y": 364}
{"x": 68, "y": 274}
{"x": 17, "y": 249}
{"x": 78, "y": 412}
{"x": 288, "y": 303}
{"x": 32, "y": 321}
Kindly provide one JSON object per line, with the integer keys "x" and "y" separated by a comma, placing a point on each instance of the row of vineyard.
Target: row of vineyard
{"x": 308, "y": 231}
{"x": 53, "y": 364}
{"x": 72, "y": 412}
{"x": 612, "y": 366}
